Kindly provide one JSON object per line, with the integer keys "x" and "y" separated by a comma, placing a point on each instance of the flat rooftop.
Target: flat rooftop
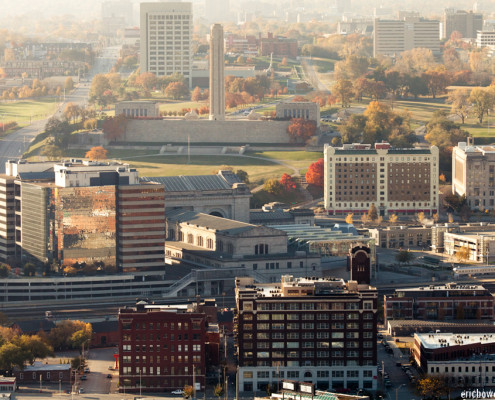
{"x": 447, "y": 286}
{"x": 438, "y": 340}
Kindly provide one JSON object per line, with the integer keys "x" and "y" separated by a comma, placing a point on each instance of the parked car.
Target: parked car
{"x": 81, "y": 390}
{"x": 84, "y": 377}
{"x": 86, "y": 370}
{"x": 178, "y": 392}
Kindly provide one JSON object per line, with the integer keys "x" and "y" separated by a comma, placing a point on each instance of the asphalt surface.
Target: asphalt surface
{"x": 15, "y": 144}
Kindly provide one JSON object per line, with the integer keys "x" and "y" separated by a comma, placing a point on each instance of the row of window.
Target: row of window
{"x": 294, "y": 306}
{"x": 311, "y": 363}
{"x": 295, "y": 374}
{"x": 306, "y": 354}
{"x": 150, "y": 326}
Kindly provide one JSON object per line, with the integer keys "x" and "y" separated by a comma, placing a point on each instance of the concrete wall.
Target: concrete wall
{"x": 203, "y": 131}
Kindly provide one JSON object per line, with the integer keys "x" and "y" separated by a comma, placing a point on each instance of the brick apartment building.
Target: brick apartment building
{"x": 399, "y": 181}
{"x": 440, "y": 302}
{"x": 161, "y": 345}
{"x": 279, "y": 46}
{"x": 320, "y": 330}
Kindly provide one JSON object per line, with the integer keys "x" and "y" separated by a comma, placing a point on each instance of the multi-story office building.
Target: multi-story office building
{"x": 485, "y": 39}
{"x": 392, "y": 37}
{"x": 320, "y": 330}
{"x": 465, "y": 360}
{"x": 473, "y": 174}
{"x": 75, "y": 212}
{"x": 440, "y": 302}
{"x": 166, "y": 35}
{"x": 464, "y": 22}
{"x": 7, "y": 218}
{"x": 479, "y": 246}
{"x": 160, "y": 346}
{"x": 396, "y": 181}
{"x": 402, "y": 236}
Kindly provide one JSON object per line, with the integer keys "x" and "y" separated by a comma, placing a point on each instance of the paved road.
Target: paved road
{"x": 15, "y": 144}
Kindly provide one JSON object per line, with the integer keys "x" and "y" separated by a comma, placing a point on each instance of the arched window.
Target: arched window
{"x": 190, "y": 238}
{"x": 209, "y": 243}
{"x": 199, "y": 241}
{"x": 171, "y": 234}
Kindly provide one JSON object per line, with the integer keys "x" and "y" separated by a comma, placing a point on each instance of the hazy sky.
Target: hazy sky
{"x": 92, "y": 8}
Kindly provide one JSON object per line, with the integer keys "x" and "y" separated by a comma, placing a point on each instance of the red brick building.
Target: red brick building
{"x": 280, "y": 47}
{"x": 45, "y": 372}
{"x": 440, "y": 302}
{"x": 160, "y": 346}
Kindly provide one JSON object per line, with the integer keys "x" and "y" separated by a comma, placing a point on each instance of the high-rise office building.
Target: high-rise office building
{"x": 217, "y": 80}
{"x": 392, "y": 37}
{"x": 166, "y": 35}
{"x": 466, "y": 23}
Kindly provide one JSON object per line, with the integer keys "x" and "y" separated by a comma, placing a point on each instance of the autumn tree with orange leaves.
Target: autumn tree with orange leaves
{"x": 288, "y": 182}
{"x": 97, "y": 153}
{"x": 301, "y": 130}
{"x": 315, "y": 175}
{"x": 114, "y": 127}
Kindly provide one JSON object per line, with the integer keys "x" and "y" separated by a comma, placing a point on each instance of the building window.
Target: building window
{"x": 209, "y": 243}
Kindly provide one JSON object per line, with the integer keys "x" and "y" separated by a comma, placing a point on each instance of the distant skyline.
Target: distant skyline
{"x": 91, "y": 9}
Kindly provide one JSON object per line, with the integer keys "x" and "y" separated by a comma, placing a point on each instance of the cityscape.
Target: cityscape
{"x": 253, "y": 199}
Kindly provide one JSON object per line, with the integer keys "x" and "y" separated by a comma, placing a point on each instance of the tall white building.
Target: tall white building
{"x": 392, "y": 37}
{"x": 166, "y": 35}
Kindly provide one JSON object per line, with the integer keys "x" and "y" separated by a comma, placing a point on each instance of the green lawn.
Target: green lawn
{"x": 289, "y": 155}
{"x": 421, "y": 110}
{"x": 24, "y": 111}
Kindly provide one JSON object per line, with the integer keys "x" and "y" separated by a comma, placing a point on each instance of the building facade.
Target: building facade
{"x": 396, "y": 181}
{"x": 461, "y": 359}
{"x": 393, "y": 237}
{"x": 7, "y": 218}
{"x": 477, "y": 246}
{"x": 160, "y": 346}
{"x": 166, "y": 35}
{"x": 306, "y": 110}
{"x": 440, "y": 302}
{"x": 485, "y": 39}
{"x": 278, "y": 46}
{"x": 392, "y": 37}
{"x": 473, "y": 174}
{"x": 464, "y": 22}
{"x": 138, "y": 109}
{"x": 204, "y": 240}
{"x": 322, "y": 331}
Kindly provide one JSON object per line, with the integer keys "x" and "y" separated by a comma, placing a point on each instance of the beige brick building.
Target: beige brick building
{"x": 398, "y": 181}
{"x": 136, "y": 109}
{"x": 303, "y": 109}
{"x": 473, "y": 174}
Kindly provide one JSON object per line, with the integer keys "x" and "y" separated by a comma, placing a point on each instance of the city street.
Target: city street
{"x": 15, "y": 144}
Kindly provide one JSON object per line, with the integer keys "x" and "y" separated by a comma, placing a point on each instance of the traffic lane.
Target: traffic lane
{"x": 98, "y": 361}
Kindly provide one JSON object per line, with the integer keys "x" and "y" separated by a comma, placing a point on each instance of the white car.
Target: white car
{"x": 178, "y": 391}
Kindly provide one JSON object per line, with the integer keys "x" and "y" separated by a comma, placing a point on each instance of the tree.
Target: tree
{"x": 196, "y": 94}
{"x": 288, "y": 182}
{"x": 242, "y": 175}
{"x": 99, "y": 86}
{"x": 114, "y": 127}
{"x": 188, "y": 391}
{"x": 11, "y": 355}
{"x": 348, "y": 218}
{"x": 436, "y": 81}
{"x": 78, "y": 363}
{"x": 315, "y": 175}
{"x": 459, "y": 99}
{"x": 301, "y": 130}
{"x": 51, "y": 151}
{"x": 365, "y": 219}
{"x": 343, "y": 90}
{"x": 352, "y": 130}
{"x": 176, "y": 90}
{"x": 273, "y": 186}
{"x": 81, "y": 337}
{"x": 4, "y": 270}
{"x": 372, "y": 212}
{"x": 392, "y": 218}
{"x": 431, "y": 387}
{"x": 421, "y": 217}
{"x": 62, "y": 335}
{"x": 34, "y": 348}
{"x": 463, "y": 253}
{"x": 29, "y": 269}
{"x": 97, "y": 153}
{"x": 147, "y": 80}
{"x": 404, "y": 256}
{"x": 482, "y": 101}
{"x": 218, "y": 391}
{"x": 72, "y": 112}
{"x": 69, "y": 83}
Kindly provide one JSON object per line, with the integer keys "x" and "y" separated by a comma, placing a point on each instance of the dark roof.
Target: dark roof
{"x": 222, "y": 181}
{"x": 223, "y": 225}
{"x": 105, "y": 326}
{"x": 34, "y": 326}
{"x": 32, "y": 176}
{"x": 267, "y": 216}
